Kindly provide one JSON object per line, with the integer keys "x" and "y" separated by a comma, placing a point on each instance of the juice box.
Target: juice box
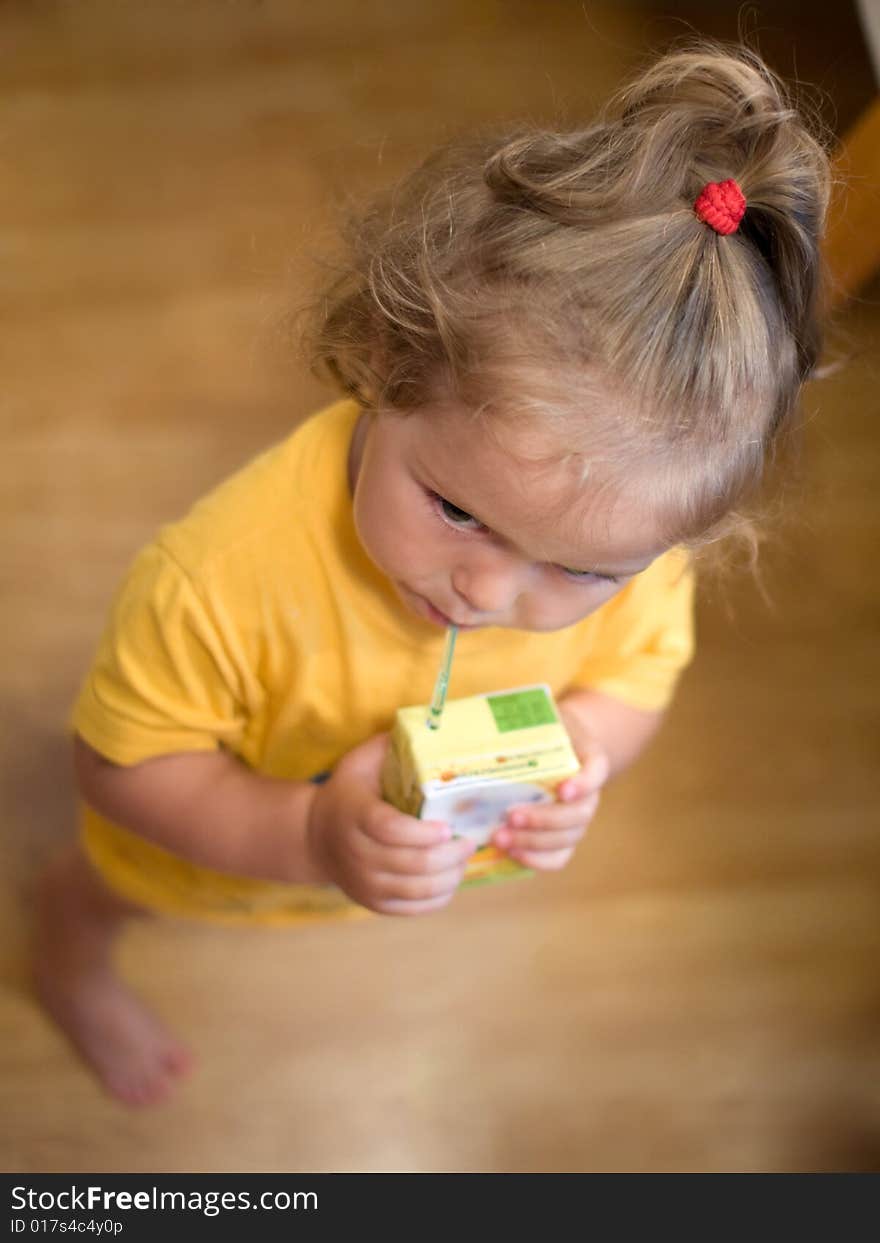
{"x": 490, "y": 752}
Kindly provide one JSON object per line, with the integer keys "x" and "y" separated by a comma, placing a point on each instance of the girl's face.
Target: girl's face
{"x": 472, "y": 533}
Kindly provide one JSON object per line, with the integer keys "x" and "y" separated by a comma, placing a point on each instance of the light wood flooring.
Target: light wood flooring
{"x": 701, "y": 989}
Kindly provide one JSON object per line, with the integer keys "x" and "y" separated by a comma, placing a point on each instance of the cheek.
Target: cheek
{"x": 391, "y": 528}
{"x": 556, "y": 608}
{"x": 593, "y": 599}
{"x": 367, "y": 516}
{"x": 374, "y": 526}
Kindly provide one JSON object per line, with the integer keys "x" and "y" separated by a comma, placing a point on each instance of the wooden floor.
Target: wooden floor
{"x": 701, "y": 989}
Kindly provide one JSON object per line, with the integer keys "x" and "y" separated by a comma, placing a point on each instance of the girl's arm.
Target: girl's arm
{"x": 208, "y": 808}
{"x": 607, "y": 735}
{"x": 621, "y": 732}
{"x": 211, "y": 809}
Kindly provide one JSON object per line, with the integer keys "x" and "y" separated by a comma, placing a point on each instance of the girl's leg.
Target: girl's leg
{"x": 78, "y": 921}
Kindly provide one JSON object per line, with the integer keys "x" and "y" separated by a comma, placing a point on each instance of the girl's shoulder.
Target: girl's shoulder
{"x": 272, "y": 504}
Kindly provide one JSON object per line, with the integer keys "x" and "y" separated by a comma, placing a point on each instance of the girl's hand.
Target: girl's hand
{"x": 382, "y": 858}
{"x": 544, "y": 835}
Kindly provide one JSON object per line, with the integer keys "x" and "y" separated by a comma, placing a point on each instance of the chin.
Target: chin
{"x": 544, "y": 627}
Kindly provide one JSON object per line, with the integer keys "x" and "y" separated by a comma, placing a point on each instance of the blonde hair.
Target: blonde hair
{"x": 526, "y": 271}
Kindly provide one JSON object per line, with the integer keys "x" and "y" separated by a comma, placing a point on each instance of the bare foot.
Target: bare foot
{"x": 134, "y": 1055}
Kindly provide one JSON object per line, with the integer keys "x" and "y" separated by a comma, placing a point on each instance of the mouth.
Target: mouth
{"x": 441, "y": 619}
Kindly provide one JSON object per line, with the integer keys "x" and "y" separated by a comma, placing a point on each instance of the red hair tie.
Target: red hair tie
{"x": 722, "y": 205}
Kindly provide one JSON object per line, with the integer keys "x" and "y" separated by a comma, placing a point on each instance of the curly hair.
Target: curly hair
{"x": 565, "y": 276}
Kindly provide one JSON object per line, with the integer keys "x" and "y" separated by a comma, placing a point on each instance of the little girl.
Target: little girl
{"x": 566, "y": 357}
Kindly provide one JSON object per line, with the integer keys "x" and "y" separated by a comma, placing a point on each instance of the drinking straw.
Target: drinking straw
{"x": 435, "y": 712}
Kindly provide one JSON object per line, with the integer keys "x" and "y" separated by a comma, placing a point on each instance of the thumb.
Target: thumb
{"x": 365, "y": 760}
{"x": 596, "y": 766}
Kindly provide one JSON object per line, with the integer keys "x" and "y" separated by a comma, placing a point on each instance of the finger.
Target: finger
{"x": 543, "y": 840}
{"x": 552, "y": 817}
{"x": 364, "y": 763}
{"x": 398, "y": 906}
{"x": 389, "y": 827}
{"x": 427, "y": 860}
{"x": 594, "y": 772}
{"x": 542, "y": 861}
{"x": 420, "y": 888}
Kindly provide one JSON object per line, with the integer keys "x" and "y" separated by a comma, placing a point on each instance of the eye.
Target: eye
{"x": 456, "y": 517}
{"x": 587, "y": 576}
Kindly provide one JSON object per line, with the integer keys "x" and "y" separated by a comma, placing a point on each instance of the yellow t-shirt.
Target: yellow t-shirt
{"x": 257, "y": 623}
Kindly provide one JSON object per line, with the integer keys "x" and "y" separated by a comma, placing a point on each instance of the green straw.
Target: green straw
{"x": 438, "y": 699}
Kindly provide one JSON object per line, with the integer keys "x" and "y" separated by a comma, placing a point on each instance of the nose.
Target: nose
{"x": 491, "y": 583}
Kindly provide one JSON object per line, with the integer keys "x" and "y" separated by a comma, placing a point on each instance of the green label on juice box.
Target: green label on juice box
{"x": 521, "y": 709}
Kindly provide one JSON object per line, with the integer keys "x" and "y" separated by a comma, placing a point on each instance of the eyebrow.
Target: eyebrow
{"x": 593, "y": 569}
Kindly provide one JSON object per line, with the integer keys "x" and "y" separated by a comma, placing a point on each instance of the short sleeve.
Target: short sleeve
{"x": 165, "y": 678}
{"x": 644, "y": 637}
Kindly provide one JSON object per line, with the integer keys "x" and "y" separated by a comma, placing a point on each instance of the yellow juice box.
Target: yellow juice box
{"x": 490, "y": 752}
